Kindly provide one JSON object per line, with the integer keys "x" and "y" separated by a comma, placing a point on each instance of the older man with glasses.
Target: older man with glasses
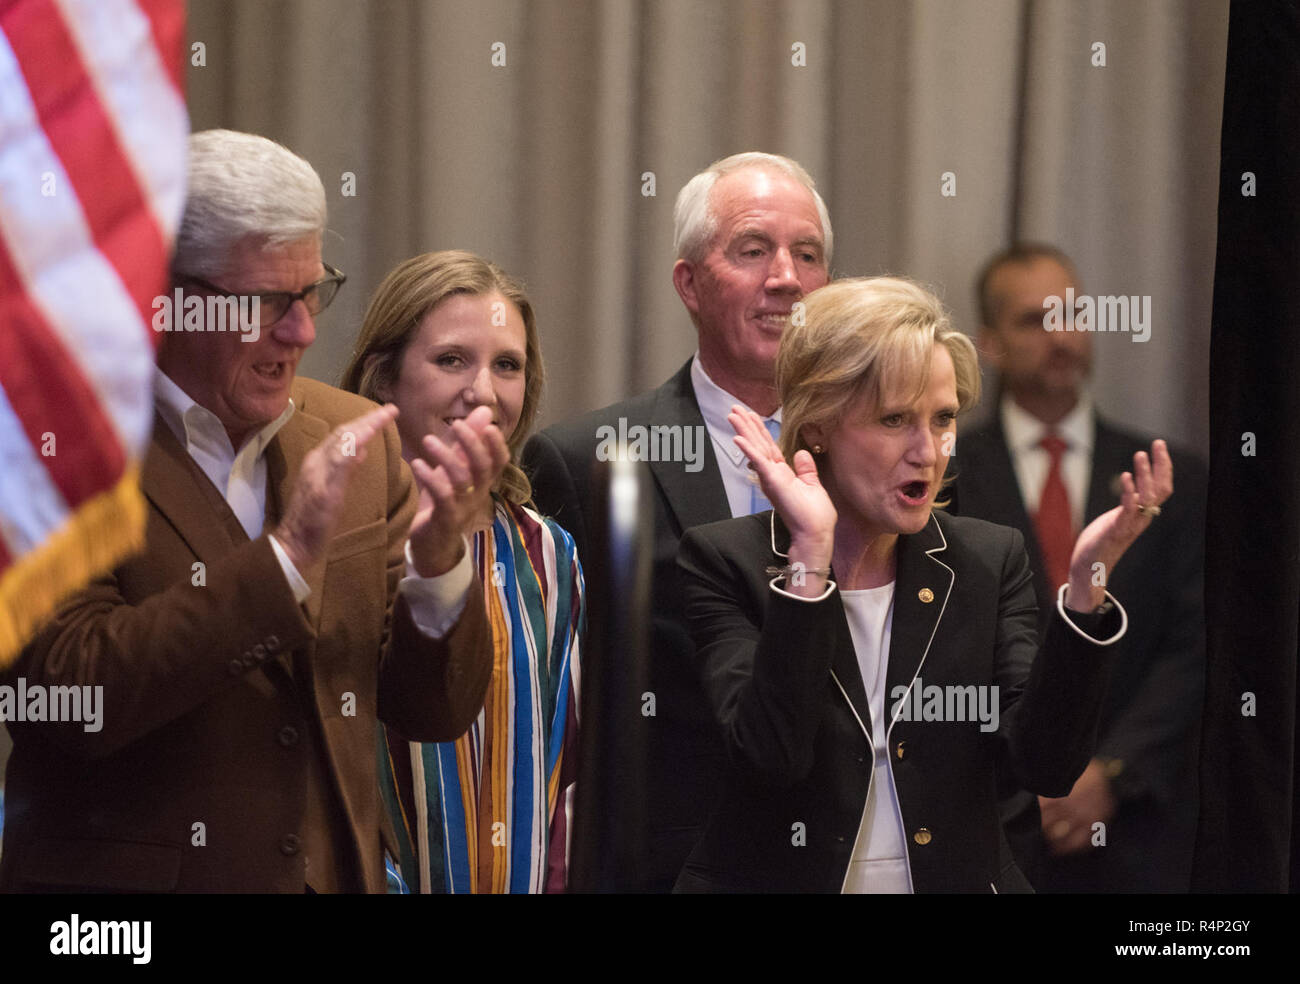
{"x": 294, "y": 587}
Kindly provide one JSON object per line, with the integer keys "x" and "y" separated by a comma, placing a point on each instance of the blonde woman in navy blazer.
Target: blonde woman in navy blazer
{"x": 872, "y": 380}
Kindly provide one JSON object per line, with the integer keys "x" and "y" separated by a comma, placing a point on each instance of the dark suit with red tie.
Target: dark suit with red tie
{"x": 1150, "y": 721}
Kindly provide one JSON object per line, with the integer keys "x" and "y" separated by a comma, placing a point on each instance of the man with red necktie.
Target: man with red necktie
{"x": 1045, "y": 464}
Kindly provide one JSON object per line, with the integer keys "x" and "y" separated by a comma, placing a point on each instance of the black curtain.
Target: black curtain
{"x": 1247, "y": 838}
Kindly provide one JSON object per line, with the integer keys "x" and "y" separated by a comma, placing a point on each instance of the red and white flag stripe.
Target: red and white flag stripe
{"x": 92, "y": 163}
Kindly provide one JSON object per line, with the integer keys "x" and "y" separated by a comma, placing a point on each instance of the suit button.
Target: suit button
{"x": 900, "y": 749}
{"x": 259, "y": 652}
{"x": 235, "y": 667}
{"x": 922, "y": 836}
{"x": 289, "y": 845}
{"x": 272, "y": 644}
{"x": 288, "y": 736}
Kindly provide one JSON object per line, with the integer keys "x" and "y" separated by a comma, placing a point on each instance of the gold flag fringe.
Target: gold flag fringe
{"x": 104, "y": 531}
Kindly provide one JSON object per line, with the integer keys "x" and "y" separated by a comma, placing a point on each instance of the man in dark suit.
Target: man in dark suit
{"x": 752, "y": 237}
{"x": 242, "y": 660}
{"x": 1046, "y": 463}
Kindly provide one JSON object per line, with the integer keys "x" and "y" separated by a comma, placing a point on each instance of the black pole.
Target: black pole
{"x": 609, "y": 836}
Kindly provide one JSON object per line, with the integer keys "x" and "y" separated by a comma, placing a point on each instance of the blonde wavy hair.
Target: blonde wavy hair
{"x": 399, "y": 304}
{"x": 869, "y": 337}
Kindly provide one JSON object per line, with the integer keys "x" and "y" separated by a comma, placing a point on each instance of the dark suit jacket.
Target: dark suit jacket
{"x": 222, "y": 700}
{"x": 1150, "y": 721}
{"x": 685, "y": 756}
{"x": 784, "y": 683}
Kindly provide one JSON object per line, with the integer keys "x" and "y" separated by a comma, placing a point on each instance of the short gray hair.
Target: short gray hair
{"x": 243, "y": 185}
{"x": 694, "y": 223}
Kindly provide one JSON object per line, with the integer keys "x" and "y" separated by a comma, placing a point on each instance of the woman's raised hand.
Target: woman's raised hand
{"x": 795, "y": 493}
{"x": 456, "y": 477}
{"x": 1105, "y": 539}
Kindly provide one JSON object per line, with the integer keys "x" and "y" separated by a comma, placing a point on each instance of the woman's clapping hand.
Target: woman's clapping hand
{"x": 795, "y": 493}
{"x": 1105, "y": 539}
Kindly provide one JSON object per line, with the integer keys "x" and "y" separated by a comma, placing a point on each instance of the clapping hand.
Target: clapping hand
{"x": 795, "y": 493}
{"x": 456, "y": 478}
{"x": 316, "y": 502}
{"x": 1106, "y": 538}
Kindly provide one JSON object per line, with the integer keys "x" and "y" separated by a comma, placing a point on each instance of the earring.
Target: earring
{"x": 817, "y": 449}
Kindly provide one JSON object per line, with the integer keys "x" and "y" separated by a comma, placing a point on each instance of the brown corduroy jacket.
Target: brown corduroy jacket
{"x": 238, "y": 727}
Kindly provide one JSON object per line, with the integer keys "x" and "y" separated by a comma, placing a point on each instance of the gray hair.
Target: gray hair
{"x": 243, "y": 185}
{"x": 694, "y": 223}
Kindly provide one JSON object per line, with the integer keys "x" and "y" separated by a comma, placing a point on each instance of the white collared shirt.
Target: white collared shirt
{"x": 879, "y": 861}
{"x": 1024, "y": 431}
{"x": 715, "y": 403}
{"x": 240, "y": 476}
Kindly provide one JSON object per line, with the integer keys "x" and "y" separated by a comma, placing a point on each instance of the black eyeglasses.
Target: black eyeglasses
{"x": 275, "y": 305}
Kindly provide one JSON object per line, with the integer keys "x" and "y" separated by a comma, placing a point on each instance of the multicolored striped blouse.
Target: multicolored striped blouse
{"x": 490, "y": 812}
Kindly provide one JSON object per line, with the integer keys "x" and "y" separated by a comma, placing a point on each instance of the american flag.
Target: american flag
{"x": 92, "y": 170}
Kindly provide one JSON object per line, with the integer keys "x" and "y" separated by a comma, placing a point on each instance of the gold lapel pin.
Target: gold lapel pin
{"x": 926, "y": 595}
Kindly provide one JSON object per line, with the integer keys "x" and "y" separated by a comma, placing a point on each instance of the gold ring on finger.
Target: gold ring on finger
{"x": 1148, "y": 510}
{"x": 469, "y": 489}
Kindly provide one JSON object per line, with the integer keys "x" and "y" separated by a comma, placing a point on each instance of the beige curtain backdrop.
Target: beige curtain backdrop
{"x": 541, "y": 163}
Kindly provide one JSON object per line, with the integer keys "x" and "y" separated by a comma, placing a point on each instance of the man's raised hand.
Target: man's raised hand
{"x": 316, "y": 501}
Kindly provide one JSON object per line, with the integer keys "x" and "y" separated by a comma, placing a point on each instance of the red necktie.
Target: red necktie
{"x": 1052, "y": 523}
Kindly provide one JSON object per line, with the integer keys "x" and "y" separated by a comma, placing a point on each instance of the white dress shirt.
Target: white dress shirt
{"x": 878, "y": 864}
{"x": 715, "y": 403}
{"x": 1023, "y": 431}
{"x": 240, "y": 476}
